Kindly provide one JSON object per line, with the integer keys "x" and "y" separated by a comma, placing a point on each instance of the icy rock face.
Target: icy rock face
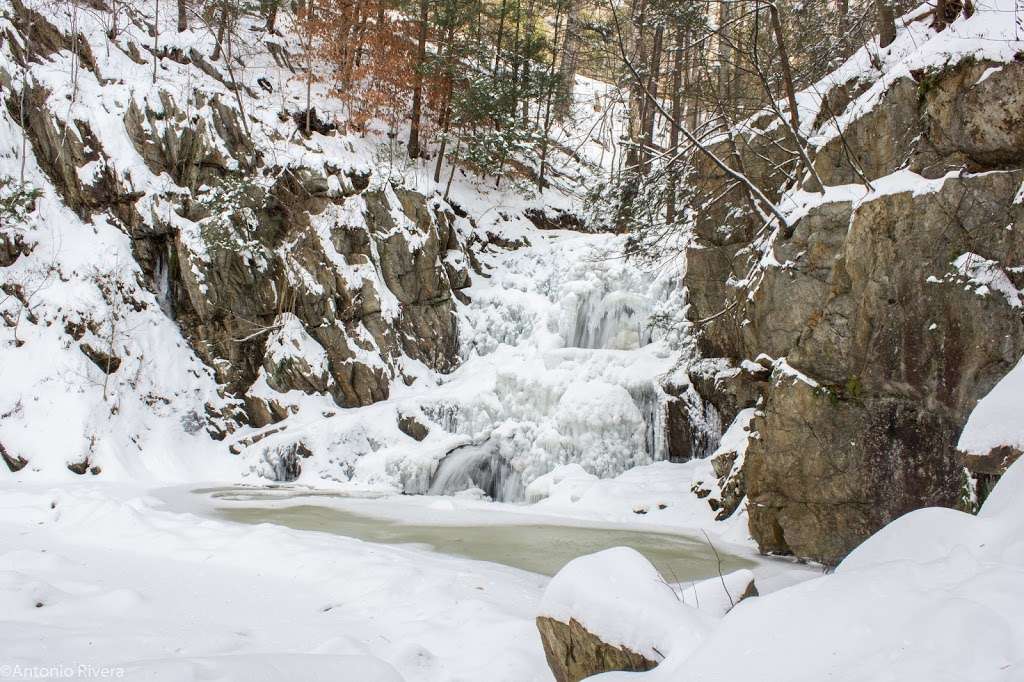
{"x": 881, "y": 323}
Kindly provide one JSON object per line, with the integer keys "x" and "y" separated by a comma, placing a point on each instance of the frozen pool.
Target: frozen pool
{"x": 540, "y": 547}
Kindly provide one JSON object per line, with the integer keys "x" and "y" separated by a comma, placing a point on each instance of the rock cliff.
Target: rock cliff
{"x": 885, "y": 310}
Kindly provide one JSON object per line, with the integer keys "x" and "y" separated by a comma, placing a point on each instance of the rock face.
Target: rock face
{"x": 310, "y": 278}
{"x": 573, "y": 653}
{"x": 894, "y": 313}
{"x": 366, "y": 278}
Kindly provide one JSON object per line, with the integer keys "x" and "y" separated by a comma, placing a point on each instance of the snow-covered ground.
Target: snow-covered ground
{"x": 935, "y": 596}
{"x": 148, "y": 582}
{"x": 98, "y": 575}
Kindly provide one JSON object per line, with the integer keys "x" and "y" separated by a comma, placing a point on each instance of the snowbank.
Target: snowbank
{"x": 998, "y": 419}
{"x": 621, "y": 598}
{"x": 936, "y": 595}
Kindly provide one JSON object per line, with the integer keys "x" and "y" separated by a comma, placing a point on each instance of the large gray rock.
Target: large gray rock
{"x": 902, "y": 345}
{"x": 890, "y": 308}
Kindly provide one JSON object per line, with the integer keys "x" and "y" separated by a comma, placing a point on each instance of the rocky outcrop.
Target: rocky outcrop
{"x": 367, "y": 278}
{"x": 884, "y": 319}
{"x": 413, "y": 427}
{"x": 14, "y": 463}
{"x": 574, "y": 653}
{"x": 282, "y": 278}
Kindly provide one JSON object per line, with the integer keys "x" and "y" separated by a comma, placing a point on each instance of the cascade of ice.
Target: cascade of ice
{"x": 650, "y": 400}
{"x": 561, "y": 366}
{"x": 616, "y": 320}
{"x": 477, "y": 466}
{"x": 444, "y": 413}
{"x": 162, "y": 277}
{"x": 705, "y": 425}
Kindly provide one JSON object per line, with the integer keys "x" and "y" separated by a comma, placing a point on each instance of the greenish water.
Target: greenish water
{"x": 540, "y": 548}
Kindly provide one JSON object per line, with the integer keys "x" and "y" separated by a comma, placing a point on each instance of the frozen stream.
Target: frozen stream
{"x": 539, "y": 547}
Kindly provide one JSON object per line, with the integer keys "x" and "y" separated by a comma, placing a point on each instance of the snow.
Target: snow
{"x": 935, "y": 595}
{"x": 125, "y": 585}
{"x": 998, "y": 418}
{"x": 567, "y": 481}
{"x": 986, "y": 276}
{"x": 620, "y": 597}
{"x": 718, "y": 596}
{"x": 290, "y": 342}
{"x": 737, "y": 436}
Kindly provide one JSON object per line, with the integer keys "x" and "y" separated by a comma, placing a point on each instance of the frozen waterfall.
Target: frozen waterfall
{"x": 561, "y": 366}
{"x": 477, "y": 466}
{"x": 616, "y": 320}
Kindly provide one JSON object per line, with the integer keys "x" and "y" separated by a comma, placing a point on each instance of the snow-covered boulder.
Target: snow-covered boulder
{"x": 720, "y": 595}
{"x": 612, "y": 610}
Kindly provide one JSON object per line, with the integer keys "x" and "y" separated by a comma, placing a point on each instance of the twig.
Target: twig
{"x": 721, "y": 577}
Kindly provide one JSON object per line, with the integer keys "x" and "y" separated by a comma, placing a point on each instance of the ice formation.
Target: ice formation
{"x": 561, "y": 365}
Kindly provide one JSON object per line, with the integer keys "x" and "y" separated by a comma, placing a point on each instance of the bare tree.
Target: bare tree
{"x": 417, "y": 92}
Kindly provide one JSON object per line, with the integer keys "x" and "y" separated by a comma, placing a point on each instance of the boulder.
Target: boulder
{"x": 411, "y": 426}
{"x": 612, "y": 610}
{"x": 574, "y": 653}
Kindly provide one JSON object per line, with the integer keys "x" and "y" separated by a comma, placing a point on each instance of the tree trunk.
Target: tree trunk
{"x": 637, "y": 97}
{"x": 309, "y": 67}
{"x": 886, "y": 21}
{"x": 499, "y": 39}
{"x": 417, "y": 93}
{"x": 156, "y": 38}
{"x": 678, "y": 86}
{"x": 724, "y": 52}
{"x": 547, "y": 107}
{"x": 272, "y": 16}
{"x": 182, "y": 16}
{"x": 525, "y": 80}
{"x": 446, "y": 112}
{"x": 691, "y": 79}
{"x": 445, "y": 116}
{"x": 222, "y": 26}
{"x": 787, "y": 73}
{"x": 654, "y": 73}
{"x": 569, "y": 59}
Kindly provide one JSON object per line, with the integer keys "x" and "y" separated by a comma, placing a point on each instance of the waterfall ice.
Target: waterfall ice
{"x": 477, "y": 466}
{"x": 616, "y": 320}
{"x": 561, "y": 367}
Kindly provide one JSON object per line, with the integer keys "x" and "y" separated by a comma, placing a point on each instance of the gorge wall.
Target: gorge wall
{"x": 869, "y": 329}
